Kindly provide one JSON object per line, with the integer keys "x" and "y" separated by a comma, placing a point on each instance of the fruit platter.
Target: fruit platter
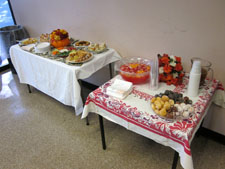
{"x": 135, "y": 70}
{"x": 172, "y": 105}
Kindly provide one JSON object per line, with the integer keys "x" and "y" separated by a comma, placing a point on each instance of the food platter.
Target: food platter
{"x": 98, "y": 52}
{"x": 97, "y": 48}
{"x": 176, "y": 118}
{"x": 28, "y": 41}
{"x": 163, "y": 117}
{"x": 82, "y": 44}
{"x": 62, "y": 52}
{"x": 171, "y": 107}
{"x": 79, "y": 56}
{"x": 74, "y": 62}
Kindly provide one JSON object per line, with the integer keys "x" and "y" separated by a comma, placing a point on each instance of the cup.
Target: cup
{"x": 205, "y": 68}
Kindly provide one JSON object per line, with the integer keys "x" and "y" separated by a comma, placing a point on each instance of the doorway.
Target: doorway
{"x": 6, "y": 19}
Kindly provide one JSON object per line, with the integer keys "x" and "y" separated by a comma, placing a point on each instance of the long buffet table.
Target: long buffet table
{"x": 55, "y": 78}
{"x": 135, "y": 114}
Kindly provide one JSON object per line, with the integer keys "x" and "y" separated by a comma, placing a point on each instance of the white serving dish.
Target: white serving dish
{"x": 42, "y": 47}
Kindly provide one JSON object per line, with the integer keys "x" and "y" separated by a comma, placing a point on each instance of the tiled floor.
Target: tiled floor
{"x": 38, "y": 132}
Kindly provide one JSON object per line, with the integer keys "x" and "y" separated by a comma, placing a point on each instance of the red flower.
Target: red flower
{"x": 168, "y": 77}
{"x": 178, "y": 67}
{"x": 174, "y": 81}
{"x": 160, "y": 63}
{"x": 178, "y": 59}
{"x": 179, "y": 81}
{"x": 169, "y": 82}
{"x": 165, "y": 59}
{"x": 161, "y": 77}
{"x": 181, "y": 75}
{"x": 165, "y": 55}
{"x": 167, "y": 68}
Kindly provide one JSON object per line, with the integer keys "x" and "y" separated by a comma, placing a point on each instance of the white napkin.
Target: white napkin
{"x": 119, "y": 89}
{"x": 28, "y": 47}
{"x": 219, "y": 98}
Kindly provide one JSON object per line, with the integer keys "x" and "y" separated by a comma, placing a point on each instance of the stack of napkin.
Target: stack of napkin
{"x": 119, "y": 89}
{"x": 29, "y": 47}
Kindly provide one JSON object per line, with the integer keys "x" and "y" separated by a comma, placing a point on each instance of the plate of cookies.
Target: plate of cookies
{"x": 172, "y": 106}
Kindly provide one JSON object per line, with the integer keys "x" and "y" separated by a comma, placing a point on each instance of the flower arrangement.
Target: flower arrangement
{"x": 170, "y": 69}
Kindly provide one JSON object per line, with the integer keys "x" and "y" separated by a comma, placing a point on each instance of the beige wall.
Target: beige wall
{"x": 193, "y": 28}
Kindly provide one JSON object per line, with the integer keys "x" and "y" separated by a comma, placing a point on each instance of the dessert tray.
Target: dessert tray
{"x": 172, "y": 106}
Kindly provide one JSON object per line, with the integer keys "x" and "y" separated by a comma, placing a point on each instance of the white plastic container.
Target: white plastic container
{"x": 194, "y": 79}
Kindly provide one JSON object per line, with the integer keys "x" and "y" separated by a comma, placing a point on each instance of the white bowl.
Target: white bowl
{"x": 42, "y": 47}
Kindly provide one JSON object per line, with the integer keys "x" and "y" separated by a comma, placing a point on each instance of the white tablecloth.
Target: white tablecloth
{"x": 135, "y": 114}
{"x": 55, "y": 78}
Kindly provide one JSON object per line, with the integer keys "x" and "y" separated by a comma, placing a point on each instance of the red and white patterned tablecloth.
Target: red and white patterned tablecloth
{"x": 135, "y": 114}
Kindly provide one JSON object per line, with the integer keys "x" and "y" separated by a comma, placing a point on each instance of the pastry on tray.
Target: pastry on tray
{"x": 79, "y": 56}
{"x": 97, "y": 47}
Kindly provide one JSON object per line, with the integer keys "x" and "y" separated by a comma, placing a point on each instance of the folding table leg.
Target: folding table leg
{"x": 111, "y": 70}
{"x": 83, "y": 99}
{"x": 175, "y": 159}
{"x": 102, "y": 132}
{"x": 28, "y": 86}
{"x": 87, "y": 121}
{"x": 200, "y": 129}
